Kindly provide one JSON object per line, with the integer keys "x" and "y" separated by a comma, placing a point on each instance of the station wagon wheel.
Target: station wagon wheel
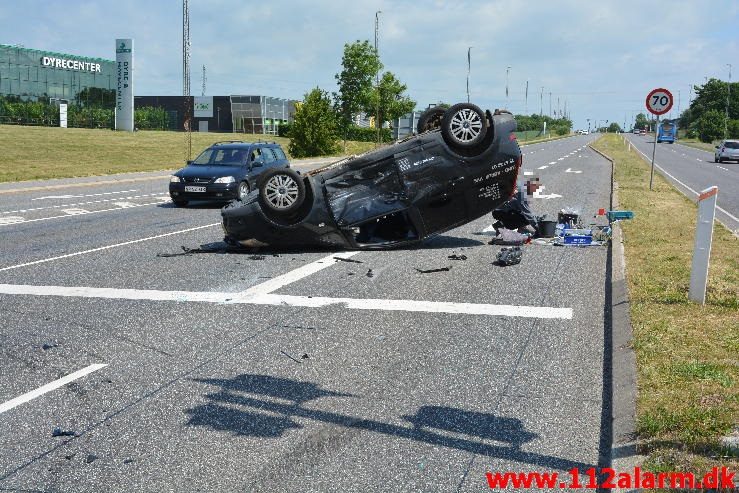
{"x": 281, "y": 190}
{"x": 243, "y": 191}
{"x": 430, "y": 119}
{"x": 464, "y": 126}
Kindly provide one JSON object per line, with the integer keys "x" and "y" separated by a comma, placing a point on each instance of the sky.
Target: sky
{"x": 599, "y": 58}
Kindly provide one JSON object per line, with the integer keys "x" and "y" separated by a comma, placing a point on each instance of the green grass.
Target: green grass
{"x": 36, "y": 153}
{"x": 698, "y": 144}
{"x": 687, "y": 365}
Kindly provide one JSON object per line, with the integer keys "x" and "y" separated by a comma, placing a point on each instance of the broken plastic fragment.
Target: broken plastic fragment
{"x": 429, "y": 271}
{"x": 340, "y": 259}
{"x": 58, "y": 432}
{"x": 509, "y": 256}
{"x": 457, "y": 257}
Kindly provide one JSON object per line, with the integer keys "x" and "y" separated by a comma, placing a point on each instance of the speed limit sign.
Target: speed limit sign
{"x": 659, "y": 101}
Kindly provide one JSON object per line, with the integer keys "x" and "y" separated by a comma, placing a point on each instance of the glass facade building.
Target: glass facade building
{"x": 260, "y": 114}
{"x": 35, "y": 75}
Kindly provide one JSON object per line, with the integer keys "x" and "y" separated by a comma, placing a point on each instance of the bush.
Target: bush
{"x": 365, "y": 134}
{"x": 710, "y": 126}
{"x": 284, "y": 129}
{"x": 313, "y": 133}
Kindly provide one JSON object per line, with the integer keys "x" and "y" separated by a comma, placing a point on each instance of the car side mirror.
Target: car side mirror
{"x": 256, "y": 164}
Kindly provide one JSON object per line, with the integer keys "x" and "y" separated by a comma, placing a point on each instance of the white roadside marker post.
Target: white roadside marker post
{"x": 702, "y": 250}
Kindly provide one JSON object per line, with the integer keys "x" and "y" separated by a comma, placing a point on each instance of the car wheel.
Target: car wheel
{"x": 281, "y": 190}
{"x": 464, "y": 126}
{"x": 430, "y": 119}
{"x": 715, "y": 159}
{"x": 179, "y": 203}
{"x": 243, "y": 191}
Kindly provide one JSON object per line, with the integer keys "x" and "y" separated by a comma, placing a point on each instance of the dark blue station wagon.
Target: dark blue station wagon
{"x": 225, "y": 171}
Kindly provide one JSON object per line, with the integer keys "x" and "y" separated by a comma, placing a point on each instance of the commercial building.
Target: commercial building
{"x": 247, "y": 114}
{"x": 34, "y": 75}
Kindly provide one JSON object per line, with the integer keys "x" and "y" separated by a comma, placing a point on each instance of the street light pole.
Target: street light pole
{"x": 469, "y": 64}
{"x": 377, "y": 76}
{"x": 507, "y": 70}
{"x": 541, "y": 101}
{"x": 728, "y": 96}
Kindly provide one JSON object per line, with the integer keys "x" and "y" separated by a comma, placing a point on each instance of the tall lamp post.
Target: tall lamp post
{"x": 507, "y": 70}
{"x": 377, "y": 76}
{"x": 728, "y": 96}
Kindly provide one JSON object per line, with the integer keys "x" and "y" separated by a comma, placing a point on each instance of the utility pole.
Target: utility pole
{"x": 728, "y": 96}
{"x": 550, "y": 104}
{"x": 204, "y": 78}
{"x": 526, "y": 100}
{"x": 186, "y": 77}
{"x": 469, "y": 66}
{"x": 377, "y": 75}
{"x": 507, "y": 70}
{"x": 541, "y": 102}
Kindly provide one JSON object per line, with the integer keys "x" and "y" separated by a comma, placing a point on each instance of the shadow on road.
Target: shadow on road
{"x": 268, "y": 407}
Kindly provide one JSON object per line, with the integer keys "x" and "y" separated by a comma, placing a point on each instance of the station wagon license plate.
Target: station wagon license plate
{"x": 194, "y": 189}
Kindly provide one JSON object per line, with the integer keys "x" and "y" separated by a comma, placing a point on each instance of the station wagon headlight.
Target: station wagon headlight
{"x": 174, "y": 179}
{"x": 225, "y": 179}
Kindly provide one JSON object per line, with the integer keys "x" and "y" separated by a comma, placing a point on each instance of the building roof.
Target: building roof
{"x": 57, "y": 54}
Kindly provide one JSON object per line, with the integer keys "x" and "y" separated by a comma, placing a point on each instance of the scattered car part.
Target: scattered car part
{"x": 509, "y": 256}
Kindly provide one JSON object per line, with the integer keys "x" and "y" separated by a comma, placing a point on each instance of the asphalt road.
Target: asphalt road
{"x": 692, "y": 170}
{"x": 292, "y": 371}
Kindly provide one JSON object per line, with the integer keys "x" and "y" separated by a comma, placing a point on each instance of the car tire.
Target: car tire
{"x": 179, "y": 203}
{"x": 464, "y": 126}
{"x": 715, "y": 159}
{"x": 243, "y": 191}
{"x": 281, "y": 191}
{"x": 430, "y": 119}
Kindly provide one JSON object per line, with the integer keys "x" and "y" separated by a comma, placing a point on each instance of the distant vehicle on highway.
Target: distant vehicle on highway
{"x": 461, "y": 165}
{"x": 727, "y": 150}
{"x": 667, "y": 132}
{"x": 225, "y": 171}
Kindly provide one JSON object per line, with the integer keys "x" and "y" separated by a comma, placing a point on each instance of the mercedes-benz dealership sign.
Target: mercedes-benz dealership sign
{"x": 124, "y": 89}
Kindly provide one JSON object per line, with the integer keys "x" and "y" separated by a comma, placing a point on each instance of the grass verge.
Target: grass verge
{"x": 698, "y": 144}
{"x": 687, "y": 365}
{"x": 36, "y": 153}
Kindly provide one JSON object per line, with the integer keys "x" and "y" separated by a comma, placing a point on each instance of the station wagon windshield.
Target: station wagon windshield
{"x": 222, "y": 157}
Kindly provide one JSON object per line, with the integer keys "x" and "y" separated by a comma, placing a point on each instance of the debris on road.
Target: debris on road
{"x": 351, "y": 260}
{"x": 369, "y": 273}
{"x": 509, "y": 256}
{"x": 49, "y": 345}
{"x": 430, "y": 271}
{"x": 305, "y": 356}
{"x": 90, "y": 458}
{"x": 292, "y": 358}
{"x": 256, "y": 257}
{"x": 509, "y": 237}
{"x": 58, "y": 432}
{"x": 457, "y": 257}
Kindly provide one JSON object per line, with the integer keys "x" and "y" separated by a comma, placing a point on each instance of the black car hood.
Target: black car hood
{"x": 204, "y": 171}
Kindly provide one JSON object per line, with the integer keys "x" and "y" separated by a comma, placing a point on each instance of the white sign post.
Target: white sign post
{"x": 63, "y": 115}
{"x": 124, "y": 89}
{"x": 702, "y": 249}
{"x": 659, "y": 102}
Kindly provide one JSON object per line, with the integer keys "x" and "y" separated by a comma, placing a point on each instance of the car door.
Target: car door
{"x": 256, "y": 166}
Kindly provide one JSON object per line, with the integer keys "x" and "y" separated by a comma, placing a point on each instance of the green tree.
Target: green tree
{"x": 360, "y": 63}
{"x": 641, "y": 122}
{"x": 393, "y": 103}
{"x": 711, "y": 126}
{"x": 313, "y": 132}
{"x": 614, "y": 127}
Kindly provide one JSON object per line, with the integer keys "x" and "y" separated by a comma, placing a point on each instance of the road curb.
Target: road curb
{"x": 623, "y": 447}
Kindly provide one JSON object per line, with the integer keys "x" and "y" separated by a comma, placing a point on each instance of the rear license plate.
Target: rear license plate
{"x": 194, "y": 189}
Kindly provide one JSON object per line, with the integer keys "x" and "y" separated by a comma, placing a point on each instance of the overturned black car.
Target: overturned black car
{"x": 462, "y": 164}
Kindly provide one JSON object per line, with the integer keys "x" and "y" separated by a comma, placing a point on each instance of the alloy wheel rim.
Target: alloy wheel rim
{"x": 466, "y": 125}
{"x": 281, "y": 191}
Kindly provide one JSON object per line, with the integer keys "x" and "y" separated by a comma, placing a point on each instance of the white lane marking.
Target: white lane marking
{"x": 107, "y": 247}
{"x": 539, "y": 194}
{"x": 124, "y": 205}
{"x": 488, "y": 229}
{"x": 528, "y": 173}
{"x": 81, "y": 203}
{"x": 699, "y": 160}
{"x": 256, "y": 296}
{"x": 570, "y": 170}
{"x": 561, "y": 159}
{"x": 83, "y": 212}
{"x": 75, "y": 211}
{"x": 543, "y": 167}
{"x": 295, "y": 275}
{"x": 11, "y": 220}
{"x": 83, "y": 195}
{"x": 553, "y": 162}
{"x": 684, "y": 185}
{"x": 7, "y": 406}
{"x": 721, "y": 167}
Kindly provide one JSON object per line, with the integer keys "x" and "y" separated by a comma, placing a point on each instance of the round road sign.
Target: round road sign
{"x": 659, "y": 101}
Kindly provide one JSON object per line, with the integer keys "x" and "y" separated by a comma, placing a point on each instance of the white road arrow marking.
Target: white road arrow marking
{"x": 74, "y": 212}
{"x": 124, "y": 204}
{"x": 539, "y": 194}
{"x": 543, "y": 167}
{"x": 570, "y": 170}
